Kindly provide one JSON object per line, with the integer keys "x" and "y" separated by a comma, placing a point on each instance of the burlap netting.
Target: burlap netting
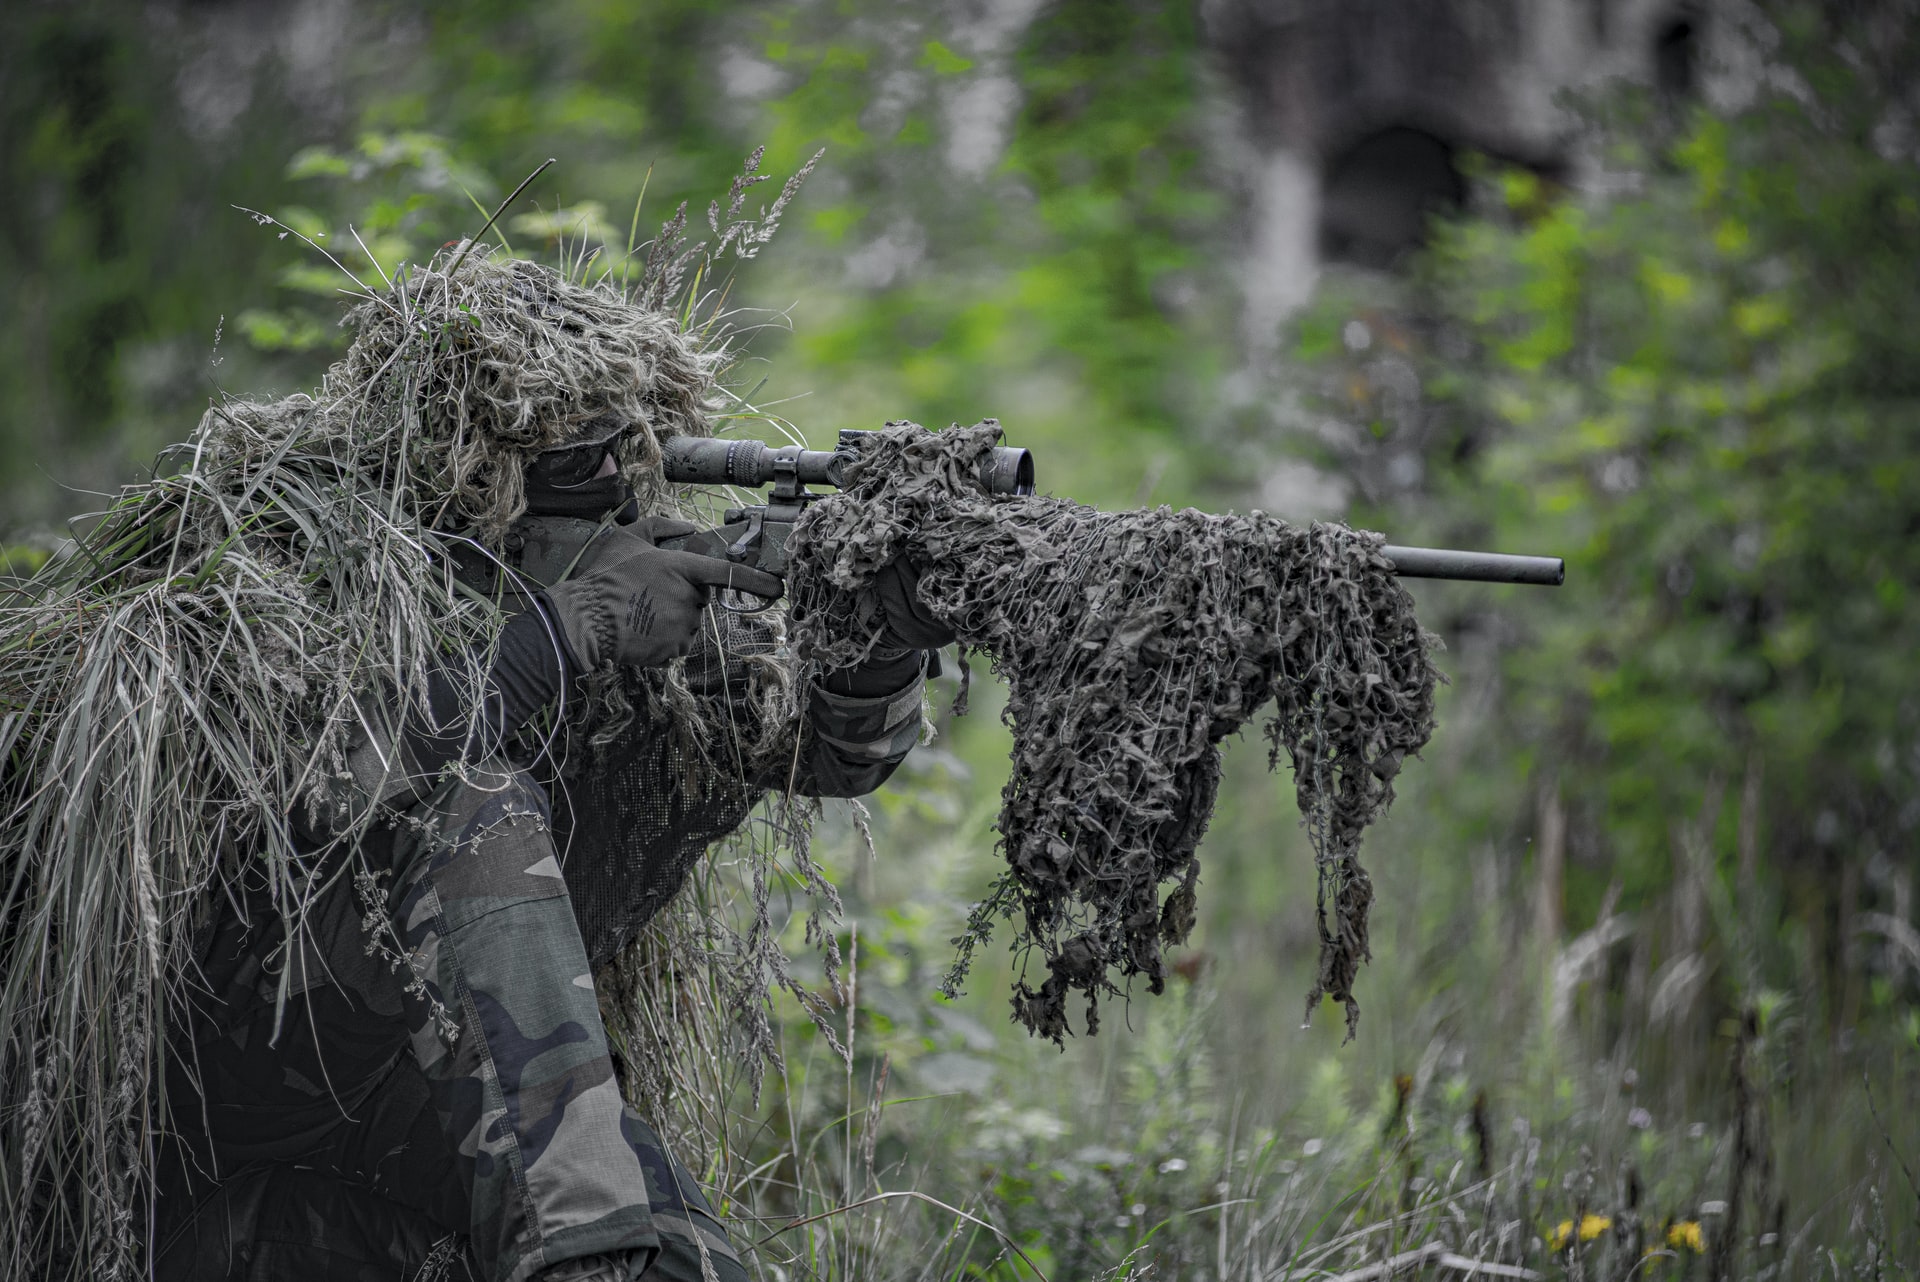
{"x": 1133, "y": 643}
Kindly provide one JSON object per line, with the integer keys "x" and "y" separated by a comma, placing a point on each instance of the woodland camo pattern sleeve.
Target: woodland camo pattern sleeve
{"x": 855, "y": 741}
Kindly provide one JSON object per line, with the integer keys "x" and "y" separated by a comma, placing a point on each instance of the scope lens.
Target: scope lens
{"x": 1023, "y": 473}
{"x": 1008, "y": 471}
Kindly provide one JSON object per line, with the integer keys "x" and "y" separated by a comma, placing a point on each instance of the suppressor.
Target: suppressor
{"x": 1483, "y": 567}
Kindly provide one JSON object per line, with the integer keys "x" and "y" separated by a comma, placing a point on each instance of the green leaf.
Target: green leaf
{"x": 318, "y": 162}
{"x": 284, "y": 331}
{"x": 943, "y": 60}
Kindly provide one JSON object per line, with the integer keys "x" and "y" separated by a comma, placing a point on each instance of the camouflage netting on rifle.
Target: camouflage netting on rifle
{"x": 1133, "y": 643}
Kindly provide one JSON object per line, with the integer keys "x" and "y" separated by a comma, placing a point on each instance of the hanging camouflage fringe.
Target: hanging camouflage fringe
{"x": 1132, "y": 644}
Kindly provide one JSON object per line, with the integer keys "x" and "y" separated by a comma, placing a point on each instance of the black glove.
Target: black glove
{"x": 632, "y": 604}
{"x": 909, "y": 624}
{"x": 909, "y": 635}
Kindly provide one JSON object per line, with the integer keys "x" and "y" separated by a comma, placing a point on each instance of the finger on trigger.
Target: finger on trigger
{"x": 715, "y": 573}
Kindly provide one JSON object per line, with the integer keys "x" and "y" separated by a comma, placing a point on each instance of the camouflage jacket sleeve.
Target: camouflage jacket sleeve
{"x": 854, "y": 726}
{"x": 858, "y": 724}
{"x": 852, "y": 743}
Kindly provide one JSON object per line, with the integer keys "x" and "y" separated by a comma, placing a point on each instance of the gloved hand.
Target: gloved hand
{"x": 902, "y": 651}
{"x": 909, "y": 624}
{"x": 632, "y": 604}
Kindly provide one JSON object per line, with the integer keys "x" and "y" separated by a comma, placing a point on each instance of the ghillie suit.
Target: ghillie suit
{"x": 195, "y": 684}
{"x": 1133, "y": 643}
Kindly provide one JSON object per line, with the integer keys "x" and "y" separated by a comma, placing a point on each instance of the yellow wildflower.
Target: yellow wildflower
{"x": 1591, "y": 1227}
{"x": 1686, "y": 1233}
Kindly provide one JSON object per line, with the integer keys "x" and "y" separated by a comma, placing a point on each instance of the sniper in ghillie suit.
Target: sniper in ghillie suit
{"x": 355, "y": 761}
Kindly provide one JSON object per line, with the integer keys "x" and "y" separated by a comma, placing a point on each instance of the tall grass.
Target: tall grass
{"x": 1497, "y": 1117}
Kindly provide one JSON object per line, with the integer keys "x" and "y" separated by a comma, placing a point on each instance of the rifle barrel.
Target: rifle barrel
{"x": 1482, "y": 567}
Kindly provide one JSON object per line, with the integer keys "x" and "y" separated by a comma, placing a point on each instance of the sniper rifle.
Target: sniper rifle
{"x": 757, "y": 534}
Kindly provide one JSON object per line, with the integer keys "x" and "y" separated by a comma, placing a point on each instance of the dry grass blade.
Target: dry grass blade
{"x": 512, "y": 196}
{"x": 909, "y": 1195}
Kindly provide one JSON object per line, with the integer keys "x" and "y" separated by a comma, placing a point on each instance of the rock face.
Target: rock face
{"x": 1357, "y": 110}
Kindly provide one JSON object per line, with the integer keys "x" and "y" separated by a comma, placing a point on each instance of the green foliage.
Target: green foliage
{"x": 1110, "y": 141}
{"x": 116, "y": 244}
{"x": 1703, "y": 396}
{"x": 1070, "y": 287}
{"x": 19, "y": 561}
{"x": 1699, "y": 389}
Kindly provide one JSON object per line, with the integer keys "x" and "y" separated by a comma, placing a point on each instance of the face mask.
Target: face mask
{"x": 569, "y": 466}
{"x": 567, "y": 501}
{"x": 590, "y": 500}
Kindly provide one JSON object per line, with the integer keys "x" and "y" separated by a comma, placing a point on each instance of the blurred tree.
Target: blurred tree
{"x": 1702, "y": 392}
{"x": 125, "y": 135}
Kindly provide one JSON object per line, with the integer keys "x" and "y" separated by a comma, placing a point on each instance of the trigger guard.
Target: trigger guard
{"x": 724, "y": 598}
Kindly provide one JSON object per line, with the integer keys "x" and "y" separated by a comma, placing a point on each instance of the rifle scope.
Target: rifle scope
{"x": 705, "y": 460}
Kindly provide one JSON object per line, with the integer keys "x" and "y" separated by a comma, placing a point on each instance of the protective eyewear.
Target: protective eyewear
{"x": 565, "y": 467}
